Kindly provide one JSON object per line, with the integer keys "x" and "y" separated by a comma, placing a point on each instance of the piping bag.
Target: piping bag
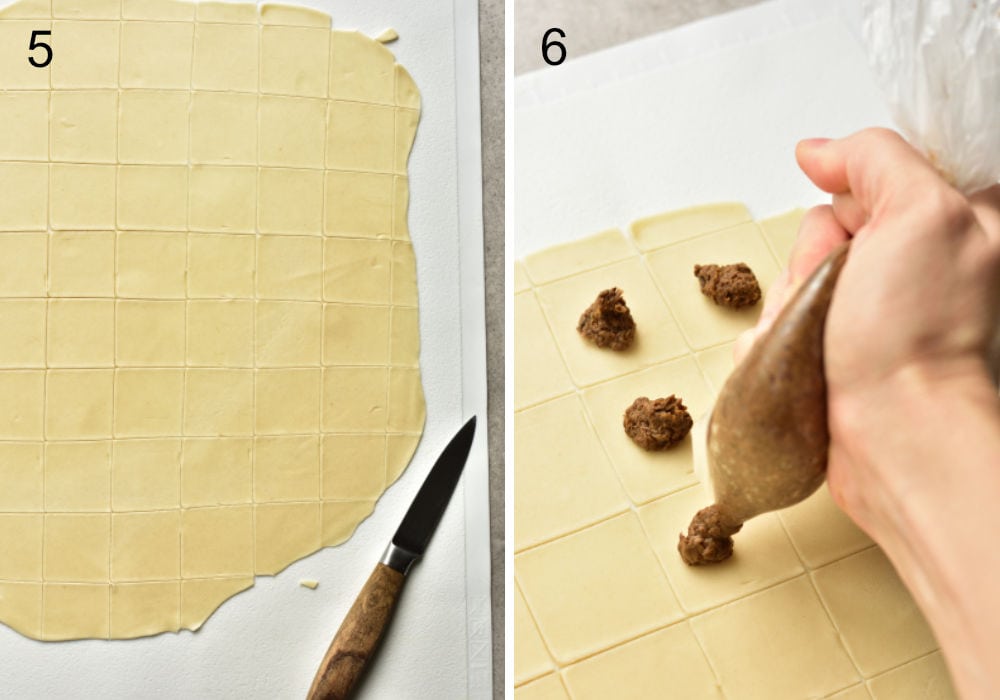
{"x": 767, "y": 438}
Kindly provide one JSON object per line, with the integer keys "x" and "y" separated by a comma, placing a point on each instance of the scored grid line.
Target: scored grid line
{"x": 806, "y": 571}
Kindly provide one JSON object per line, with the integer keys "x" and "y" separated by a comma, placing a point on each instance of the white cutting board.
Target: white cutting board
{"x": 268, "y": 641}
{"x": 707, "y": 112}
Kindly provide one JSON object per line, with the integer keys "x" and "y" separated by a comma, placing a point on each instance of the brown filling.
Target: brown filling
{"x": 607, "y": 322}
{"x": 734, "y": 286}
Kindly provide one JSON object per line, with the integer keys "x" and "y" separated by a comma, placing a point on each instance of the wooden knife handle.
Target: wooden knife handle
{"x": 358, "y": 637}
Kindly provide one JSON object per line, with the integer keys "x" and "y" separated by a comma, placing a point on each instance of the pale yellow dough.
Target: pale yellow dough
{"x": 209, "y": 358}
{"x": 808, "y": 607}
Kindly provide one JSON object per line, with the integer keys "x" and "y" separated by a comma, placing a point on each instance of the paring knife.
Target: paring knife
{"x": 361, "y": 631}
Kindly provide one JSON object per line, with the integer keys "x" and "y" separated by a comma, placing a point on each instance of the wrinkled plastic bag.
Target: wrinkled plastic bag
{"x": 938, "y": 63}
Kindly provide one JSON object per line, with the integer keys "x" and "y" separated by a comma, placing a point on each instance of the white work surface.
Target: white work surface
{"x": 267, "y": 642}
{"x": 707, "y": 112}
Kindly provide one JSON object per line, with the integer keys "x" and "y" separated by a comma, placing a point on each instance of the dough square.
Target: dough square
{"x": 716, "y": 364}
{"x": 539, "y": 371}
{"x": 354, "y": 399}
{"x": 926, "y": 677}
{"x": 877, "y": 618}
{"x": 354, "y": 467}
{"x": 24, "y": 206}
{"x": 404, "y": 337}
{"x": 341, "y": 518}
{"x": 78, "y": 404}
{"x": 548, "y": 687}
{"x": 400, "y": 449}
{"x": 285, "y": 145}
{"x": 17, "y": 73}
{"x": 82, "y": 264}
{"x": 200, "y": 597}
{"x": 221, "y": 265}
{"x": 21, "y": 544}
{"x": 531, "y": 658}
{"x": 578, "y": 256}
{"x": 400, "y": 207}
{"x": 668, "y": 663}
{"x": 287, "y": 401}
{"x": 83, "y": 125}
{"x": 168, "y": 10}
{"x": 764, "y": 556}
{"x": 21, "y": 476}
{"x": 663, "y": 229}
{"x": 22, "y": 343}
{"x": 148, "y": 402}
{"x": 360, "y": 70}
{"x": 152, "y": 265}
{"x": 24, "y": 259}
{"x": 289, "y": 267}
{"x": 360, "y": 136}
{"x": 78, "y": 476}
{"x": 74, "y": 610}
{"x": 359, "y": 203}
{"x": 404, "y": 274}
{"x": 288, "y": 333}
{"x": 220, "y": 333}
{"x": 25, "y": 133}
{"x": 21, "y": 607}
{"x": 152, "y": 197}
{"x": 406, "y": 397}
{"x": 216, "y": 471}
{"x": 648, "y": 475}
{"x": 657, "y": 336}
{"x": 132, "y": 603}
{"x": 566, "y": 584}
{"x": 223, "y": 198}
{"x": 821, "y": 531}
{"x": 286, "y": 532}
{"x": 82, "y": 197}
{"x": 23, "y": 406}
{"x": 227, "y": 12}
{"x": 789, "y": 622}
{"x": 219, "y": 402}
{"x": 704, "y": 322}
{"x": 356, "y": 270}
{"x": 225, "y": 56}
{"x": 290, "y": 201}
{"x": 149, "y": 333}
{"x": 290, "y": 57}
{"x": 217, "y": 541}
{"x": 355, "y": 335}
{"x": 562, "y": 480}
{"x": 156, "y": 55}
{"x": 81, "y": 333}
{"x": 92, "y": 9}
{"x": 88, "y": 54}
{"x": 153, "y": 126}
{"x": 145, "y": 546}
{"x": 406, "y": 131}
{"x": 77, "y": 547}
{"x": 224, "y": 128}
{"x": 145, "y": 475}
{"x": 781, "y": 231}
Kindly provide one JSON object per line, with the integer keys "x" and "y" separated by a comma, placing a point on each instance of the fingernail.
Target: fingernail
{"x": 814, "y": 143}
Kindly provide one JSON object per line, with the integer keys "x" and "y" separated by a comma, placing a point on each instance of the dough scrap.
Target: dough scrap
{"x": 210, "y": 358}
{"x": 790, "y": 590}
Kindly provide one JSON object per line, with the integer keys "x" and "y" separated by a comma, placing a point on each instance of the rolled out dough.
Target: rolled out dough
{"x": 209, "y": 353}
{"x": 808, "y": 607}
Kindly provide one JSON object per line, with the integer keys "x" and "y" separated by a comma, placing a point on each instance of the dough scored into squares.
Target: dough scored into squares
{"x": 805, "y": 586}
{"x": 210, "y": 361}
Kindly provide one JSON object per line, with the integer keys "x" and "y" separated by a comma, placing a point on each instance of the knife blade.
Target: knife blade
{"x": 364, "y": 626}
